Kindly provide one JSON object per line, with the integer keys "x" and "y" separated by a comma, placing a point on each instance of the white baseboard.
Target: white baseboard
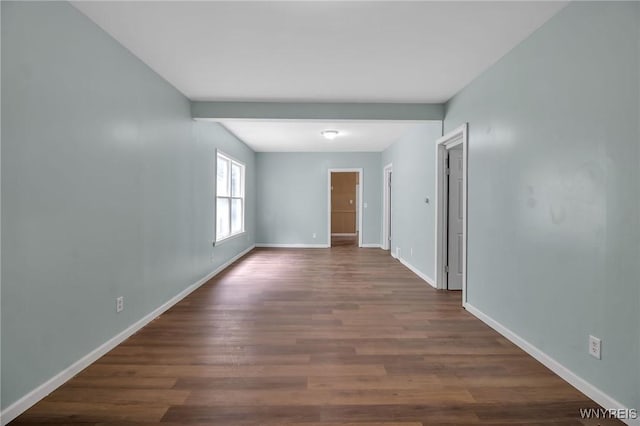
{"x": 416, "y": 271}
{"x": 268, "y": 245}
{"x": 569, "y": 376}
{"x": 292, "y": 245}
{"x": 31, "y": 398}
{"x": 344, "y": 235}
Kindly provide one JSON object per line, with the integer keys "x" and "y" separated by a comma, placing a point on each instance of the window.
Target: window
{"x": 229, "y": 197}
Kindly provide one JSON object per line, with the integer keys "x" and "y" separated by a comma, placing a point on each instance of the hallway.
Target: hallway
{"x": 315, "y": 336}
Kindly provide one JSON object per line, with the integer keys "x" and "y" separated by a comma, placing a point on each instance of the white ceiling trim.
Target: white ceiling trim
{"x": 313, "y": 120}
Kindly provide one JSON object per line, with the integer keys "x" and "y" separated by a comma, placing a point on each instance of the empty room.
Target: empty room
{"x": 320, "y": 213}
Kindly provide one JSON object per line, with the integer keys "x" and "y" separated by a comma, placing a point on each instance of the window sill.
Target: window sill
{"x": 230, "y": 237}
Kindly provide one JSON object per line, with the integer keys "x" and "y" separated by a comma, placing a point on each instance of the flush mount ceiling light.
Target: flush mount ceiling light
{"x": 330, "y": 134}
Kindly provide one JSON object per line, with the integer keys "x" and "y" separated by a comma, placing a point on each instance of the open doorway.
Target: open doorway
{"x": 451, "y": 211}
{"x": 386, "y": 208}
{"x": 345, "y": 209}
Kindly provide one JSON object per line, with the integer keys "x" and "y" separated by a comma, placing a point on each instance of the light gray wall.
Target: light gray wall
{"x": 553, "y": 191}
{"x": 413, "y": 180}
{"x": 107, "y": 190}
{"x": 292, "y": 195}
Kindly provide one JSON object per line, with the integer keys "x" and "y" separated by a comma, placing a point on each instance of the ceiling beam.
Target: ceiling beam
{"x": 316, "y": 111}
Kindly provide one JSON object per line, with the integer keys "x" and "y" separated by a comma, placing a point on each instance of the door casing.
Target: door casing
{"x": 454, "y": 138}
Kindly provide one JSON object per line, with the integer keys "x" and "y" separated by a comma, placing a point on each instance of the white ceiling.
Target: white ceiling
{"x": 304, "y": 136}
{"x": 332, "y": 51}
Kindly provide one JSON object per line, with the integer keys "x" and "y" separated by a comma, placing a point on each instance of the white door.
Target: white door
{"x": 357, "y": 208}
{"x": 389, "y": 212}
{"x": 454, "y": 220}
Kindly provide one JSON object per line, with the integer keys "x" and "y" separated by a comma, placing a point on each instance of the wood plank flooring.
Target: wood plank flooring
{"x": 315, "y": 337}
{"x": 344, "y": 240}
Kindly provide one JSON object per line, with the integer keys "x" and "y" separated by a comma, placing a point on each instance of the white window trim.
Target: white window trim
{"x": 230, "y": 237}
{"x": 243, "y": 167}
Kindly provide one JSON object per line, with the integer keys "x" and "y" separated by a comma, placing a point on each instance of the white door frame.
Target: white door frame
{"x": 359, "y": 207}
{"x": 448, "y": 141}
{"x": 386, "y": 171}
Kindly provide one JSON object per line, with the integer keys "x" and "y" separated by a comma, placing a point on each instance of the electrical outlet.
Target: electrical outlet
{"x": 119, "y": 304}
{"x": 398, "y": 252}
{"x": 594, "y": 347}
{"x": 411, "y": 251}
{"x": 314, "y": 235}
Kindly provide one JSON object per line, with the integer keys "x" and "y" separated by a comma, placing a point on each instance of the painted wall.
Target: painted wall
{"x": 554, "y": 239}
{"x": 414, "y": 180}
{"x": 292, "y": 195}
{"x": 107, "y": 190}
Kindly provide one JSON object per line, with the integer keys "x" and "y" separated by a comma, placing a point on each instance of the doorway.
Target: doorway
{"x": 454, "y": 218}
{"x": 451, "y": 211}
{"x": 345, "y": 207}
{"x": 387, "y": 173}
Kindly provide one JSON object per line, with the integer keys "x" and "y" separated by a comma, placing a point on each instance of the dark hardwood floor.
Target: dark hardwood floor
{"x": 315, "y": 336}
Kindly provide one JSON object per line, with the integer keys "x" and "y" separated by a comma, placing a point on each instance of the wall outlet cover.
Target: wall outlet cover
{"x": 595, "y": 347}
